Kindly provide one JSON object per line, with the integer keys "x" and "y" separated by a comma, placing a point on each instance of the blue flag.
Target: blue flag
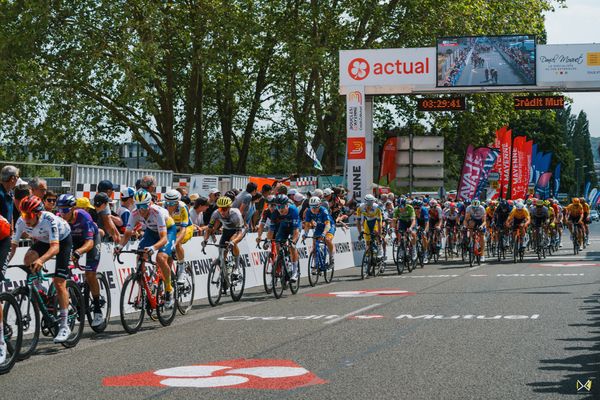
{"x": 588, "y": 185}
{"x": 556, "y": 180}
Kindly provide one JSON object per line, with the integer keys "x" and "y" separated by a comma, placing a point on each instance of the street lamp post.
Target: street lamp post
{"x": 577, "y": 177}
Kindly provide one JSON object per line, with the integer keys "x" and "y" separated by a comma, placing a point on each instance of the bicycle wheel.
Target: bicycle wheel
{"x": 238, "y": 283}
{"x": 214, "y": 284}
{"x": 471, "y": 253}
{"x": 104, "y": 303}
{"x": 13, "y": 331}
{"x": 132, "y": 304}
{"x": 76, "y": 317}
{"x": 267, "y": 269}
{"x": 30, "y": 318}
{"x": 278, "y": 277}
{"x": 313, "y": 269}
{"x": 395, "y": 251}
{"x": 420, "y": 254}
{"x": 165, "y": 315}
{"x": 366, "y": 262}
{"x": 328, "y": 273}
{"x": 186, "y": 291}
{"x": 399, "y": 260}
{"x": 295, "y": 286}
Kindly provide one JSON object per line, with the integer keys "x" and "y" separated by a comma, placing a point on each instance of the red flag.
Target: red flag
{"x": 520, "y": 167}
{"x": 388, "y": 160}
{"x": 505, "y": 151}
{"x": 472, "y": 170}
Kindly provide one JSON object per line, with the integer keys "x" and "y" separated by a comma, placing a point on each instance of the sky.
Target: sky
{"x": 578, "y": 23}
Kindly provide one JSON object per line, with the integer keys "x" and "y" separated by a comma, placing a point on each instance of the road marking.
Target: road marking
{"x": 364, "y": 293}
{"x": 420, "y": 276}
{"x": 360, "y": 310}
{"x": 477, "y": 275}
{"x": 474, "y": 268}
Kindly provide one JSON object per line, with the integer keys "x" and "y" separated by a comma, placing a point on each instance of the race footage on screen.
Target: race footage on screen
{"x": 486, "y": 61}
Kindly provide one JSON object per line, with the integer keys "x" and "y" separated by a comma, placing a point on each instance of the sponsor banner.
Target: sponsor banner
{"x": 568, "y": 65}
{"x": 355, "y": 112}
{"x": 586, "y": 191}
{"x": 357, "y": 148}
{"x": 556, "y": 179}
{"x": 201, "y": 184}
{"x": 413, "y": 67}
{"x": 488, "y": 163}
{"x": 505, "y": 151}
{"x": 356, "y": 143}
{"x": 542, "y": 187}
{"x": 251, "y": 258}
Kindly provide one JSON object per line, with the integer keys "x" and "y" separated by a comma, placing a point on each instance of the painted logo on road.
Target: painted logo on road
{"x": 568, "y": 264}
{"x": 364, "y": 293}
{"x": 239, "y": 374}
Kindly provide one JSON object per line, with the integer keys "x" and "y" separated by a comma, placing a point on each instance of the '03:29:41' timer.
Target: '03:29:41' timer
{"x": 443, "y": 104}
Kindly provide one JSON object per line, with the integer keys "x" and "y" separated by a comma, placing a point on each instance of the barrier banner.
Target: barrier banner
{"x": 472, "y": 171}
{"x": 348, "y": 246}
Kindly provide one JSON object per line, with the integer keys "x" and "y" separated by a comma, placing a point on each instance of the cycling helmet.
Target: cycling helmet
{"x": 519, "y": 205}
{"x": 529, "y": 201}
{"x": 539, "y": 203}
{"x": 575, "y": 200}
{"x": 318, "y": 193}
{"x": 417, "y": 203}
{"x": 370, "y": 199}
{"x": 510, "y": 202}
{"x": 467, "y": 203}
{"x": 142, "y": 197}
{"x": 281, "y": 199}
{"x": 31, "y": 204}
{"x": 446, "y": 204}
{"x": 66, "y": 201}
{"x": 231, "y": 194}
{"x": 327, "y": 192}
{"x": 402, "y": 202}
{"x": 426, "y": 200}
{"x": 224, "y": 202}
{"x": 314, "y": 201}
{"x": 172, "y": 195}
{"x": 270, "y": 199}
{"x": 582, "y": 200}
{"x": 452, "y": 205}
{"x": 433, "y": 203}
{"x": 4, "y": 228}
{"x": 475, "y": 203}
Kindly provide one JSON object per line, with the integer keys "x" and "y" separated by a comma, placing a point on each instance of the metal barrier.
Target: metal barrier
{"x": 57, "y": 176}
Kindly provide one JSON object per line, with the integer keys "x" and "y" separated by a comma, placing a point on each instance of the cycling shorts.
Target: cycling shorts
{"x": 537, "y": 222}
{"x": 227, "y": 235}
{"x": 284, "y": 231}
{"x": 450, "y": 223}
{"x": 403, "y": 225}
{"x": 586, "y": 218}
{"x": 151, "y": 237}
{"x": 330, "y": 233}
{"x": 476, "y": 222}
{"x": 370, "y": 227}
{"x": 92, "y": 257}
{"x": 517, "y": 222}
{"x": 574, "y": 219}
{"x": 189, "y": 233}
{"x": 63, "y": 258}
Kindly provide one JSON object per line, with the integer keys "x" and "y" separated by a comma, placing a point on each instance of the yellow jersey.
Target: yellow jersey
{"x": 519, "y": 214}
{"x": 181, "y": 215}
{"x": 574, "y": 210}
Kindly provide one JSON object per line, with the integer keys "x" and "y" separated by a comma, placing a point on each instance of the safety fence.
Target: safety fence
{"x": 349, "y": 253}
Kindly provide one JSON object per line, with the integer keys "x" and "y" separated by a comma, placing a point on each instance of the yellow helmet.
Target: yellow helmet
{"x": 224, "y": 202}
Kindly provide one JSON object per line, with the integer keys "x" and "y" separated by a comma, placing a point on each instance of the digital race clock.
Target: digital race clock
{"x": 442, "y": 104}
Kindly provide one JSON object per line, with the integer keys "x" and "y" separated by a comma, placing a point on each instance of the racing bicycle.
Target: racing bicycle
{"x": 221, "y": 276}
{"x": 13, "y": 330}
{"x": 318, "y": 261}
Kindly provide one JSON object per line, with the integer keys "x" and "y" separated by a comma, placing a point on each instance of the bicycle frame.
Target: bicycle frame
{"x": 145, "y": 276}
{"x": 321, "y": 251}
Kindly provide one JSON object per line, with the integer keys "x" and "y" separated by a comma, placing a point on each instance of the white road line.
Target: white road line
{"x": 474, "y": 268}
{"x": 478, "y": 275}
{"x": 333, "y": 321}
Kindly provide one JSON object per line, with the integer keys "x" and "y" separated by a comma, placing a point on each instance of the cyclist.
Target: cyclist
{"x": 475, "y": 219}
{"x": 52, "y": 238}
{"x": 319, "y": 218}
{"x": 185, "y": 229}
{"x": 574, "y": 212}
{"x": 233, "y": 230}
{"x": 539, "y": 217}
{"x": 520, "y": 219}
{"x": 422, "y": 216}
{"x": 489, "y": 219}
{"x": 436, "y": 217}
{"x": 159, "y": 236}
{"x": 285, "y": 223}
{"x": 586, "y": 219}
{"x": 405, "y": 221}
{"x": 266, "y": 219}
{"x": 86, "y": 240}
{"x": 370, "y": 219}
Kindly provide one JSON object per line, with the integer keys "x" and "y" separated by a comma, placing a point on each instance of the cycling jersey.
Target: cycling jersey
{"x": 83, "y": 227}
{"x": 158, "y": 219}
{"x": 475, "y": 212}
{"x": 539, "y": 213}
{"x": 233, "y": 220}
{"x": 489, "y": 212}
{"x": 407, "y": 214}
{"x": 586, "y": 208}
{"x": 574, "y": 210}
{"x": 517, "y": 214}
{"x": 321, "y": 218}
{"x": 181, "y": 215}
{"x": 49, "y": 229}
{"x": 369, "y": 215}
{"x": 289, "y": 220}
{"x": 435, "y": 213}
{"x": 450, "y": 215}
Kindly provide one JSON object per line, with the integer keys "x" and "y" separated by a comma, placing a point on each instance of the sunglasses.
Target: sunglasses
{"x": 170, "y": 203}
{"x": 315, "y": 207}
{"x": 64, "y": 210}
{"x": 281, "y": 206}
{"x": 142, "y": 206}
{"x": 51, "y": 200}
{"x": 223, "y": 208}
{"x": 26, "y": 215}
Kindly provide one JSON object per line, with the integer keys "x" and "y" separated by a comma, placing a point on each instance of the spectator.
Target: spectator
{"x": 194, "y": 196}
{"x": 282, "y": 189}
{"x": 213, "y": 195}
{"x": 244, "y": 200}
{"x": 9, "y": 175}
{"x": 126, "y": 207}
{"x": 265, "y": 191}
{"x": 39, "y": 187}
{"x": 84, "y": 204}
{"x": 186, "y": 199}
{"x": 107, "y": 224}
{"x": 20, "y": 192}
{"x": 301, "y": 203}
{"x": 197, "y": 212}
{"x": 50, "y": 201}
{"x": 148, "y": 182}
{"x": 182, "y": 190}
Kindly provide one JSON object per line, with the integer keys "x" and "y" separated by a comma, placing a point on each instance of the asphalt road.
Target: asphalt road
{"x": 500, "y": 331}
{"x": 472, "y": 76}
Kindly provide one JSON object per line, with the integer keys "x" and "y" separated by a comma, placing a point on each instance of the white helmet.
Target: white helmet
{"x": 327, "y": 192}
{"x": 314, "y": 201}
{"x": 370, "y": 199}
{"x": 172, "y": 195}
{"x": 476, "y": 203}
{"x": 318, "y": 193}
{"x": 519, "y": 205}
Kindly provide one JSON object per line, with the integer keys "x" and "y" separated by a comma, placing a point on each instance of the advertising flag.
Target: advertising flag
{"x": 505, "y": 151}
{"x": 532, "y": 168}
{"x": 388, "y": 160}
{"x": 356, "y": 143}
{"x": 472, "y": 171}
{"x": 488, "y": 163}
{"x": 592, "y": 195}
{"x": 542, "y": 187}
{"x": 588, "y": 185}
{"x": 556, "y": 180}
{"x": 517, "y": 187}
